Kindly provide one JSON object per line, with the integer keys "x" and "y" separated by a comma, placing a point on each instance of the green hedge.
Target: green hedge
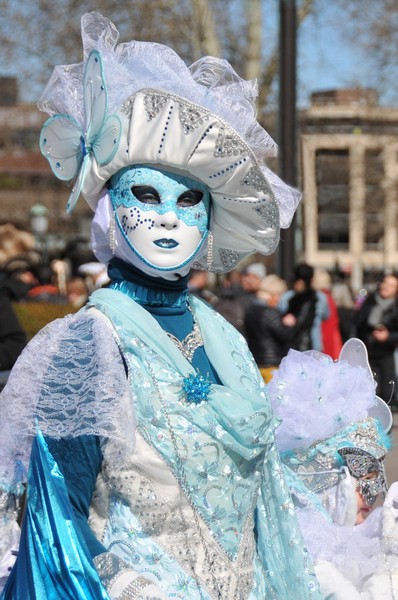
{"x": 33, "y": 316}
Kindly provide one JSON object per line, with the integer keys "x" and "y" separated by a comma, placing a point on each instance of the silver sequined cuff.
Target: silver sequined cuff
{"x": 110, "y": 567}
{"x": 134, "y": 589}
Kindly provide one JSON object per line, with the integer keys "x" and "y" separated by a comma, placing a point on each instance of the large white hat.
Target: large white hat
{"x": 138, "y": 103}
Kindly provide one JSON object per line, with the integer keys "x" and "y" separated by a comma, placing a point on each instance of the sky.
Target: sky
{"x": 326, "y": 60}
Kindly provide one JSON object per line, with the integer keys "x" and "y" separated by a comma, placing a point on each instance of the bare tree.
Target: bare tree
{"x": 33, "y": 42}
{"x": 253, "y": 50}
{"x": 372, "y": 28}
{"x": 205, "y": 38}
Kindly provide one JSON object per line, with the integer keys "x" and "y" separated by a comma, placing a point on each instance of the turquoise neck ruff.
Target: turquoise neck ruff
{"x": 165, "y": 300}
{"x": 154, "y": 293}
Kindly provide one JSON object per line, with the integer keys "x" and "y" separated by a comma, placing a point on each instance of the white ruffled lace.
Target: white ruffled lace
{"x": 133, "y": 66}
{"x": 355, "y": 551}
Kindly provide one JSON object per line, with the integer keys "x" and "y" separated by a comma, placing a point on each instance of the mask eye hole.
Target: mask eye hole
{"x": 369, "y": 476}
{"x": 146, "y": 194}
{"x": 190, "y": 198}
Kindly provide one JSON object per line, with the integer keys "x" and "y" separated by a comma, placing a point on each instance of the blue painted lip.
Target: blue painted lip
{"x": 166, "y": 243}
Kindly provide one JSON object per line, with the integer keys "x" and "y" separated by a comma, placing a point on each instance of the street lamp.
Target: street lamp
{"x": 287, "y": 124}
{"x": 39, "y": 226}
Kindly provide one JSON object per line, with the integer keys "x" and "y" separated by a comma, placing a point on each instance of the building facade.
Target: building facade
{"x": 349, "y": 170}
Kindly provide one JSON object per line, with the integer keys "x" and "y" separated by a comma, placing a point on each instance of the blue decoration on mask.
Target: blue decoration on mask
{"x": 169, "y": 186}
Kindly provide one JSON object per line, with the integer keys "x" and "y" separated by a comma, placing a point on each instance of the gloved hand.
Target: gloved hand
{"x": 390, "y": 521}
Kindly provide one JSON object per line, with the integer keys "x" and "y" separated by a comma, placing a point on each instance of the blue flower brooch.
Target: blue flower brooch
{"x": 196, "y": 388}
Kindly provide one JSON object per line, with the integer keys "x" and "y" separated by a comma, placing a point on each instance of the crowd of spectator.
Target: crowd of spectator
{"x": 27, "y": 277}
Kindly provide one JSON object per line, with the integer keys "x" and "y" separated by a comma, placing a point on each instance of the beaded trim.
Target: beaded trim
{"x": 153, "y": 103}
{"x": 230, "y": 258}
{"x": 110, "y": 567}
{"x": 228, "y": 144}
{"x": 256, "y": 180}
{"x": 191, "y": 118}
{"x": 319, "y": 465}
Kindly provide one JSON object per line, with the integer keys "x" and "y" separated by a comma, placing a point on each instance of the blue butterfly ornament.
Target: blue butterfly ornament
{"x": 70, "y": 149}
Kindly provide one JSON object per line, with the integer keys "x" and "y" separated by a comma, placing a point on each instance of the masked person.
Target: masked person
{"x": 153, "y": 472}
{"x": 333, "y": 440}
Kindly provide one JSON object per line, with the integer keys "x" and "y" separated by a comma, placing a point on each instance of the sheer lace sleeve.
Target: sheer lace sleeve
{"x": 70, "y": 381}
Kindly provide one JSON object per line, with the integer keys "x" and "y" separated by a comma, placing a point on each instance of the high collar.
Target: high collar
{"x": 156, "y": 294}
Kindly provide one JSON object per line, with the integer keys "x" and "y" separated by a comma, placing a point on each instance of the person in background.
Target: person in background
{"x": 344, "y": 299}
{"x": 14, "y": 242}
{"x": 302, "y": 303}
{"x": 376, "y": 324}
{"x": 12, "y": 336}
{"x": 76, "y": 292}
{"x": 251, "y": 278}
{"x": 18, "y": 261}
{"x": 198, "y": 285}
{"x": 266, "y": 334}
{"x": 95, "y": 275}
{"x": 238, "y": 292}
{"x": 19, "y": 276}
{"x": 330, "y": 327}
{"x": 46, "y": 289}
{"x": 230, "y": 303}
{"x": 77, "y": 252}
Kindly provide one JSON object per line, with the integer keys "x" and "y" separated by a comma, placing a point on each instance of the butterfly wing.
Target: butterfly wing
{"x": 102, "y": 133}
{"x": 94, "y": 96}
{"x": 77, "y": 187}
{"x": 107, "y": 141}
{"x": 67, "y": 147}
{"x": 60, "y": 143}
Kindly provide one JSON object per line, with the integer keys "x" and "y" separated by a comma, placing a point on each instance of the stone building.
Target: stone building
{"x": 349, "y": 177}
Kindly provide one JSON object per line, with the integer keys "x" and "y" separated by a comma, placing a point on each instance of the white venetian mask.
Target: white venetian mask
{"x": 162, "y": 216}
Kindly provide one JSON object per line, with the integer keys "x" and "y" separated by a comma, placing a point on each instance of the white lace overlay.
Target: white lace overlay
{"x": 69, "y": 381}
{"x": 355, "y": 562}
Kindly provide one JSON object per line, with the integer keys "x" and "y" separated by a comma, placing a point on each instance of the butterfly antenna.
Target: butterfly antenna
{"x": 392, "y": 383}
